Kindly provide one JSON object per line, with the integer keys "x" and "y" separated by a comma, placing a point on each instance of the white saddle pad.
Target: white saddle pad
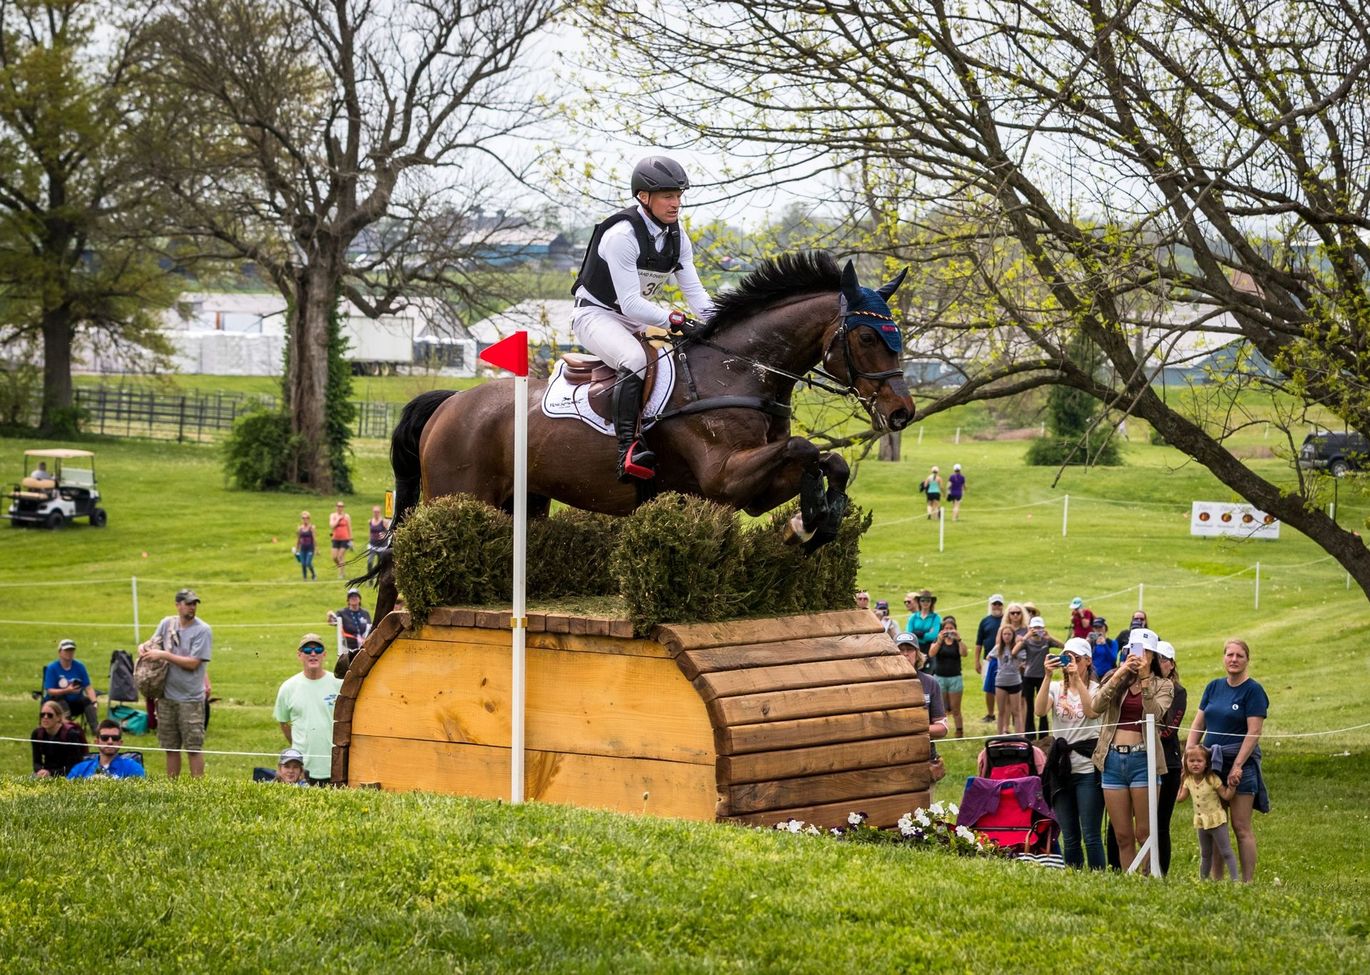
{"x": 561, "y": 399}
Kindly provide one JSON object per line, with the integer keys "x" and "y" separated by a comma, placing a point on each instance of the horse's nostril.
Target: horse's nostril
{"x": 899, "y": 419}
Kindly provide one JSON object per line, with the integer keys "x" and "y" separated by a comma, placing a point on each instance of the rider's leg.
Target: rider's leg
{"x": 604, "y": 334}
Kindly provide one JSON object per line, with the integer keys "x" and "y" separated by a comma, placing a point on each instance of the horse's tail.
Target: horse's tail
{"x": 404, "y": 460}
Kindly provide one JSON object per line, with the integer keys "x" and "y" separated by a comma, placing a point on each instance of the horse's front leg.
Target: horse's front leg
{"x": 757, "y": 479}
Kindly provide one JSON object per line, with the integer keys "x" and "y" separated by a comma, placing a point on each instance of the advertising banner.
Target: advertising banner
{"x": 1210, "y": 518}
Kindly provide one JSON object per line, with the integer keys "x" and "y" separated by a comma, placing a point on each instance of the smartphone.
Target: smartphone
{"x": 1135, "y": 650}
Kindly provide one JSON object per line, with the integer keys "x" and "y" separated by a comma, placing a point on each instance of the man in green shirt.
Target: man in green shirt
{"x": 304, "y": 708}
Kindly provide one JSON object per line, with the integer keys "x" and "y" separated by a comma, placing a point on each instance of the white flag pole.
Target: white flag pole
{"x": 136, "y": 639}
{"x": 519, "y": 623}
{"x": 941, "y": 530}
{"x": 1065, "y": 515}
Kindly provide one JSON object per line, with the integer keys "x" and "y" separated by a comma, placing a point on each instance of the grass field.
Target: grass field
{"x": 365, "y": 881}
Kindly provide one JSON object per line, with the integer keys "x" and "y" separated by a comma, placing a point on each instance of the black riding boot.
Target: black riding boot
{"x": 634, "y": 459}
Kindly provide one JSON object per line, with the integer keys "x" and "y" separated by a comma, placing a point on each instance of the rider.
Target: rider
{"x": 630, "y": 256}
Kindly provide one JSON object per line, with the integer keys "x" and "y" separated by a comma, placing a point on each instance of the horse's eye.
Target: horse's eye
{"x": 865, "y": 337}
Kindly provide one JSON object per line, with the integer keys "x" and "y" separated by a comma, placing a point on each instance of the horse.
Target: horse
{"x": 724, "y": 434}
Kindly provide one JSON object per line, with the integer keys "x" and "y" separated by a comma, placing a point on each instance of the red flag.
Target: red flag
{"x": 510, "y": 353}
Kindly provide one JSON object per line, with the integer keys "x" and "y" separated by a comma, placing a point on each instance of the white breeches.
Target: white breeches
{"x": 608, "y": 336}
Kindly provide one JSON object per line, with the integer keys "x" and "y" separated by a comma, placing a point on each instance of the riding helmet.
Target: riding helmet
{"x": 659, "y": 173}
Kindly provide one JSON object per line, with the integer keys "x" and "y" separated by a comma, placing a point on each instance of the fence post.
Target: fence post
{"x": 1258, "y": 585}
{"x": 1065, "y": 516}
{"x": 920, "y": 434}
{"x": 1141, "y": 590}
{"x": 137, "y": 637}
{"x": 958, "y": 435}
{"x": 941, "y": 530}
{"x": 181, "y": 423}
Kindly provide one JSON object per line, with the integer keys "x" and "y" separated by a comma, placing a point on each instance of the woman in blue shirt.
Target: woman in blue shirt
{"x": 923, "y": 623}
{"x": 1231, "y": 716}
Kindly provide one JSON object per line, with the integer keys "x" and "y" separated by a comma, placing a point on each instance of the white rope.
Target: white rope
{"x": 153, "y": 748}
{"x": 127, "y": 623}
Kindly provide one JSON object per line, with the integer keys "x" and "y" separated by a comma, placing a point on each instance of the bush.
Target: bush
{"x": 675, "y": 560}
{"x": 569, "y": 555}
{"x": 258, "y": 451}
{"x": 1102, "y": 451}
{"x": 453, "y": 550}
{"x": 66, "y": 421}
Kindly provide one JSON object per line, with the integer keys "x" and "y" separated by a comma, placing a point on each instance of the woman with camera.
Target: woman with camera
{"x": 1008, "y": 676}
{"x": 945, "y": 656}
{"x": 1135, "y": 689}
{"x": 1075, "y": 794}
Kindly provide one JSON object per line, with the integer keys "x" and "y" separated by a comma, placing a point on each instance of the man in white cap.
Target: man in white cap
{"x": 304, "y": 709}
{"x": 187, "y": 643}
{"x": 66, "y": 680}
{"x": 984, "y": 650}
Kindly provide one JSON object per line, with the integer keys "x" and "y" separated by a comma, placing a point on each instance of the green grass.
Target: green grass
{"x": 365, "y": 881}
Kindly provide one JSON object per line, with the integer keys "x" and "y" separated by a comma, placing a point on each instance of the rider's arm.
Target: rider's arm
{"x": 688, "y": 279}
{"x": 618, "y": 247}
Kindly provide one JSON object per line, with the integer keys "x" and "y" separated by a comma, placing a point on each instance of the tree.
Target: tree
{"x": 1132, "y": 173}
{"x": 311, "y": 139}
{"x": 77, "y": 215}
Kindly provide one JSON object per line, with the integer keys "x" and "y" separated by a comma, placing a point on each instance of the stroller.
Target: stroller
{"x": 1005, "y": 802}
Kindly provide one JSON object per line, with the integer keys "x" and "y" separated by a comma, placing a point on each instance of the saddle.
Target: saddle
{"x": 588, "y": 370}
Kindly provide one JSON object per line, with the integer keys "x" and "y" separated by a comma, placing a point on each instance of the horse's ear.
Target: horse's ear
{"x": 892, "y": 285}
{"x": 850, "y": 287}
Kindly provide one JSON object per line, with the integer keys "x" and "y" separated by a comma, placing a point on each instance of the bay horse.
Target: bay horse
{"x": 725, "y": 434}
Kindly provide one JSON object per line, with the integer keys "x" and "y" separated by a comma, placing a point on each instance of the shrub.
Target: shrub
{"x": 453, "y": 550}
{"x": 66, "y": 421}
{"x": 569, "y": 555}
{"x": 1102, "y": 451}
{"x": 259, "y": 449}
{"x": 674, "y": 561}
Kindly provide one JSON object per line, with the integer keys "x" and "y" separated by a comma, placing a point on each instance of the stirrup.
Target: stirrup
{"x": 636, "y": 461}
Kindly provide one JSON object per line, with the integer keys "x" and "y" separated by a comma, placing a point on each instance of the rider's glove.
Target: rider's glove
{"x": 676, "y": 321}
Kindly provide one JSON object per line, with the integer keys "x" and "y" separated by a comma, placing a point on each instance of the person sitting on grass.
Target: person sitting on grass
{"x": 290, "y": 768}
{"x": 58, "y": 744}
{"x": 107, "y": 762}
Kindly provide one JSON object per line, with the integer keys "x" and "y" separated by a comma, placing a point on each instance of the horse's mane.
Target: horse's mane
{"x": 773, "y": 280}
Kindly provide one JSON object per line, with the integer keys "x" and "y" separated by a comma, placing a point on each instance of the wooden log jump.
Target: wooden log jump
{"x": 753, "y": 721}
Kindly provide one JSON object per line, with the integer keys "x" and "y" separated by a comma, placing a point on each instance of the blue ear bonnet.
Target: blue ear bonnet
{"x": 870, "y": 310}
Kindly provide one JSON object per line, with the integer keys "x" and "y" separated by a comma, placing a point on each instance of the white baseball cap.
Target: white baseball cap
{"x": 1144, "y": 638}
{"x": 956, "y": 467}
{"x": 1164, "y": 649}
{"x": 1078, "y": 647}
{"x": 1036, "y": 621}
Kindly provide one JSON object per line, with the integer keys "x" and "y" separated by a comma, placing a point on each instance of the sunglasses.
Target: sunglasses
{"x": 111, "y": 737}
{"x": 312, "y": 649}
{"x": 48, "y": 714}
{"x": 1014, "y": 612}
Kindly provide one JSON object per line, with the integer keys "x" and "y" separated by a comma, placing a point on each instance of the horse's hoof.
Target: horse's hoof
{"x": 794, "y": 531}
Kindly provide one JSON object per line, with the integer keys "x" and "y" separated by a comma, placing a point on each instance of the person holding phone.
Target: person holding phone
{"x": 1103, "y": 647}
{"x": 1135, "y": 689}
{"x": 1036, "y": 643}
{"x": 945, "y": 659}
{"x": 1008, "y": 676}
{"x": 1075, "y": 794}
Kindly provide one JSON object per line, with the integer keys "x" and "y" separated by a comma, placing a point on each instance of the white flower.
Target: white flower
{"x": 794, "y": 826}
{"x": 855, "y": 818}
{"x": 813, "y": 830}
{"x": 921, "y": 817}
{"x": 953, "y": 808}
{"x": 937, "y": 809}
{"x": 965, "y": 834}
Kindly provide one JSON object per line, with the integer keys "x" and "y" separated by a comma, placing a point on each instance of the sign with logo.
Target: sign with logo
{"x": 1210, "y": 518}
{"x": 389, "y": 510}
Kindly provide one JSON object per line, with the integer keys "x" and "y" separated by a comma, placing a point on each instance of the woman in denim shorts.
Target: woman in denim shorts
{"x": 1134, "y": 690}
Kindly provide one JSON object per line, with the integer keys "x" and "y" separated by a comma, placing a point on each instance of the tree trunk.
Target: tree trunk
{"x": 889, "y": 446}
{"x": 57, "y": 336}
{"x": 307, "y": 381}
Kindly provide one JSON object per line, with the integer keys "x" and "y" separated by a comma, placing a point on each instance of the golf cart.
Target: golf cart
{"x": 58, "y": 485}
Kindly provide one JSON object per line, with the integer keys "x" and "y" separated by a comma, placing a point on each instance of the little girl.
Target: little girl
{"x": 1211, "y": 796}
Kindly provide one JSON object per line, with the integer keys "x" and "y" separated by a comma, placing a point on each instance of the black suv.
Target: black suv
{"x": 1336, "y": 453}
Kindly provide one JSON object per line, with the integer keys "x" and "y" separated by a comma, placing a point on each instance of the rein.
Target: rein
{"x": 816, "y": 377}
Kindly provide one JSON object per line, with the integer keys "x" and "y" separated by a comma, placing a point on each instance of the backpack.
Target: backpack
{"x": 121, "y": 683}
{"x": 130, "y": 719}
{"x": 150, "y": 675}
{"x": 1010, "y": 758}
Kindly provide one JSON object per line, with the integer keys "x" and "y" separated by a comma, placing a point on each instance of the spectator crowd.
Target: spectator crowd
{"x": 1082, "y": 696}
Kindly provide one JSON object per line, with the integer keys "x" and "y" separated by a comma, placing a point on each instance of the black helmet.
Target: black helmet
{"x": 659, "y": 173}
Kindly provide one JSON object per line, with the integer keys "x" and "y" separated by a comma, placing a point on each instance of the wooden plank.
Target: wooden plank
{"x": 342, "y": 732}
{"x": 492, "y": 620}
{"x": 814, "y": 790}
{"x": 462, "y": 617}
{"x": 597, "y": 626}
{"x": 772, "y": 735}
{"x": 579, "y": 626}
{"x": 822, "y": 759}
{"x": 537, "y": 622}
{"x": 660, "y": 788}
{"x": 338, "y": 772}
{"x": 821, "y": 673}
{"x": 712, "y": 659}
{"x": 592, "y": 703}
{"x": 695, "y": 636}
{"x": 342, "y": 708}
{"x": 558, "y": 624}
{"x": 620, "y": 628}
{"x": 815, "y": 702}
{"x": 455, "y": 639}
{"x": 883, "y": 811}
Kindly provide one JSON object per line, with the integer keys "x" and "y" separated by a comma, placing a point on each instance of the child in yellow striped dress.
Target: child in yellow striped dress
{"x": 1211, "y": 796}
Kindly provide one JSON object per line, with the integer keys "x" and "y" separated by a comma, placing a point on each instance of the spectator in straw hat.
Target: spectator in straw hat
{"x": 304, "y": 708}
{"x": 924, "y": 623}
